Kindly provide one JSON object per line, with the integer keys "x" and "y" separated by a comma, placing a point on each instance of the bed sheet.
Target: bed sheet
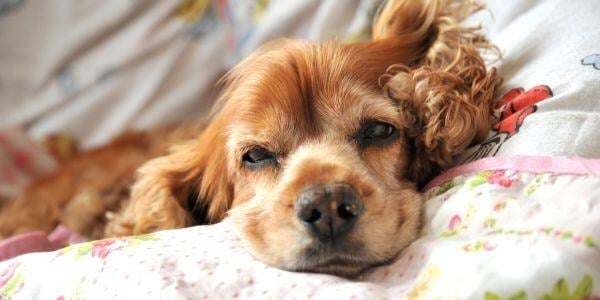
{"x": 492, "y": 234}
{"x": 94, "y": 68}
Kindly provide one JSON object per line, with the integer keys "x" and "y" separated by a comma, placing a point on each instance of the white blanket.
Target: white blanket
{"x": 93, "y": 68}
{"x": 490, "y": 234}
{"x": 553, "y": 44}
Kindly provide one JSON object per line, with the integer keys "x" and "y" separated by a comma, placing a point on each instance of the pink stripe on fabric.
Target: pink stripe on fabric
{"x": 62, "y": 236}
{"x": 38, "y": 241}
{"x": 25, "y": 243}
{"x": 532, "y": 164}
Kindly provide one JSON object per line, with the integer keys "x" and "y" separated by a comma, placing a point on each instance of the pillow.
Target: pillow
{"x": 551, "y": 71}
{"x": 507, "y": 234}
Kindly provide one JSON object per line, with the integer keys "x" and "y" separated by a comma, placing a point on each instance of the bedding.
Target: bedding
{"x": 551, "y": 88}
{"x": 21, "y": 159}
{"x": 37, "y": 241}
{"x": 517, "y": 218}
{"x": 527, "y": 232}
{"x": 94, "y": 68}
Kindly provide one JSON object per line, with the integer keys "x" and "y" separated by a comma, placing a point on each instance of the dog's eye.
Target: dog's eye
{"x": 376, "y": 130}
{"x": 258, "y": 157}
{"x": 375, "y": 133}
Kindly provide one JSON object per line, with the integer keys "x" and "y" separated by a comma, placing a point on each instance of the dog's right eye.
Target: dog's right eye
{"x": 376, "y": 133}
{"x": 258, "y": 157}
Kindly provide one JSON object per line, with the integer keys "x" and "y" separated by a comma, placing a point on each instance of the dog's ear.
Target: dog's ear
{"x": 189, "y": 185}
{"x": 443, "y": 112}
{"x": 402, "y": 32}
{"x": 445, "y": 94}
{"x": 409, "y": 20}
{"x": 416, "y": 33}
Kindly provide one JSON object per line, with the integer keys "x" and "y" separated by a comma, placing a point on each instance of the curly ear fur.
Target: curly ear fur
{"x": 185, "y": 187}
{"x": 446, "y": 99}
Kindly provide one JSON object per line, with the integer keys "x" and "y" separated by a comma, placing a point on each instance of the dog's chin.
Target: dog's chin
{"x": 342, "y": 267}
{"x": 344, "y": 260}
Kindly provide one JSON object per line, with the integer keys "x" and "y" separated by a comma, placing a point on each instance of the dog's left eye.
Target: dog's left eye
{"x": 375, "y": 133}
{"x": 258, "y": 157}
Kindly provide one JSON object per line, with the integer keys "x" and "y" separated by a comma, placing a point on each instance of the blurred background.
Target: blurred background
{"x": 93, "y": 68}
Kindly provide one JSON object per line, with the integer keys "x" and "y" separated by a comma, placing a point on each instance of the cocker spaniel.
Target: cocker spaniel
{"x": 316, "y": 151}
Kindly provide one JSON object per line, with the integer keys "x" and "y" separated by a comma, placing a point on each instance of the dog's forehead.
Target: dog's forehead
{"x": 298, "y": 95}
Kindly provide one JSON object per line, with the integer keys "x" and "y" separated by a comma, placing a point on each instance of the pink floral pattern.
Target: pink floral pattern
{"x": 102, "y": 249}
{"x": 454, "y": 222}
{"x": 7, "y": 274}
{"x": 499, "y": 178}
{"x": 475, "y": 227}
{"x": 11, "y": 280}
{"x": 478, "y": 246}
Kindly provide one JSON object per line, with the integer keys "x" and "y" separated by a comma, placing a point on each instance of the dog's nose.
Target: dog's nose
{"x": 329, "y": 210}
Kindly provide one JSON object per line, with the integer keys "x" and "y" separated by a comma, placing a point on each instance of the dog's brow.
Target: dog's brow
{"x": 246, "y": 135}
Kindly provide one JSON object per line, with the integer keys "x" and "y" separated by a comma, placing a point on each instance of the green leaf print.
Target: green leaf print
{"x": 450, "y": 233}
{"x": 444, "y": 187}
{"x": 80, "y": 250}
{"x": 588, "y": 241}
{"x": 560, "y": 291}
{"x": 14, "y": 284}
{"x": 479, "y": 179}
{"x": 145, "y": 237}
{"x": 520, "y": 295}
{"x": 566, "y": 235}
{"x": 549, "y": 230}
{"x": 101, "y": 248}
{"x": 490, "y": 222}
{"x": 531, "y": 189}
{"x": 83, "y": 250}
{"x": 584, "y": 288}
{"x": 491, "y": 296}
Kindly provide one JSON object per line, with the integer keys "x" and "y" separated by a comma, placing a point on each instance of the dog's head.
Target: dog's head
{"x": 316, "y": 157}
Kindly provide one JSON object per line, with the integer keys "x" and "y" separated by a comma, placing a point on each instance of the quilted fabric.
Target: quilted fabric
{"x": 490, "y": 234}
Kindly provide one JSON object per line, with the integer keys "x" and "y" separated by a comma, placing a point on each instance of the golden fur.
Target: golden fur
{"x": 305, "y": 102}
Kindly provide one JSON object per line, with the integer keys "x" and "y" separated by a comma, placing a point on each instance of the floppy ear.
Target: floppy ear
{"x": 446, "y": 96}
{"x": 402, "y": 32}
{"x": 443, "y": 113}
{"x": 188, "y": 186}
{"x": 191, "y": 184}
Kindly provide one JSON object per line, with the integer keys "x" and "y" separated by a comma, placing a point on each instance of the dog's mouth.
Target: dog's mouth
{"x": 343, "y": 260}
{"x": 345, "y": 267}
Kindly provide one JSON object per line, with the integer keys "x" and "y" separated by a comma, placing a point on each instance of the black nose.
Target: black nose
{"x": 329, "y": 210}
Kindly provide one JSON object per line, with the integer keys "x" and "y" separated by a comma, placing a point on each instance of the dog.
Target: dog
{"x": 316, "y": 151}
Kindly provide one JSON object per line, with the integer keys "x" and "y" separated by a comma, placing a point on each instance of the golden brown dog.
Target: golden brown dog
{"x": 314, "y": 150}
